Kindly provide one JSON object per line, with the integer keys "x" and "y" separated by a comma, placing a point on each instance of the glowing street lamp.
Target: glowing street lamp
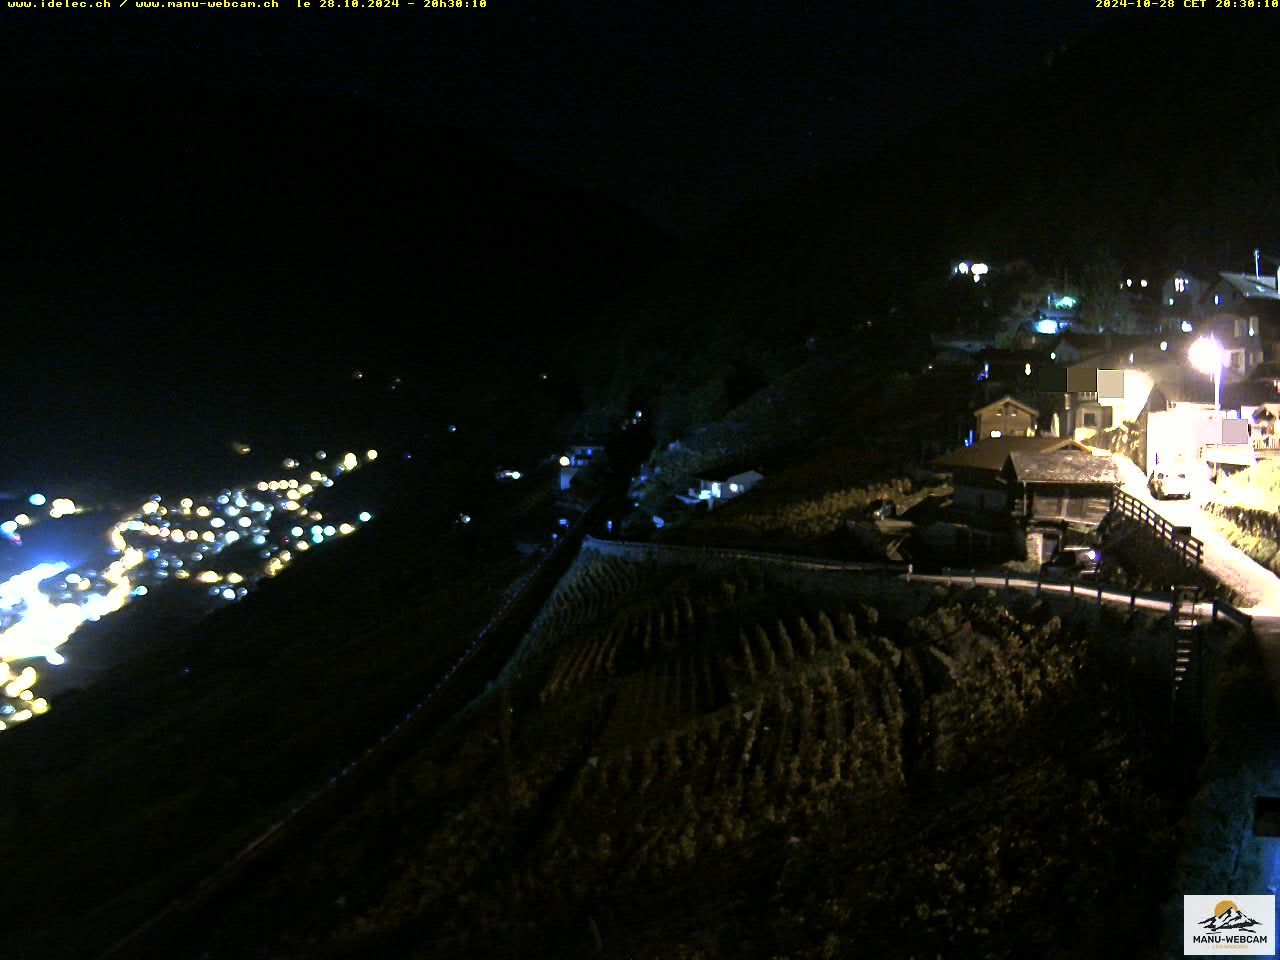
{"x": 1207, "y": 356}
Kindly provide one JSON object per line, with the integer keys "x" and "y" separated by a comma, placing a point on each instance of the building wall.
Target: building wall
{"x": 979, "y": 499}
{"x": 1009, "y": 420}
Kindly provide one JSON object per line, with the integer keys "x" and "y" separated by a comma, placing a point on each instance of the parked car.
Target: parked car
{"x": 1164, "y": 484}
{"x": 1073, "y": 562}
{"x": 881, "y": 510}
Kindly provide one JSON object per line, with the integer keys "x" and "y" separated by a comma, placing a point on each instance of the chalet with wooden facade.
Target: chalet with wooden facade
{"x": 1038, "y": 487}
{"x": 977, "y": 472}
{"x": 1006, "y": 417}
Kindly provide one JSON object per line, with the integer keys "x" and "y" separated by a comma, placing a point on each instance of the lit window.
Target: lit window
{"x": 996, "y": 433}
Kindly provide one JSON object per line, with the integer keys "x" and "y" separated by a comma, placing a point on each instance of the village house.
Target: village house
{"x": 1006, "y": 417}
{"x": 1036, "y": 488}
{"x": 720, "y": 487}
{"x": 1180, "y": 302}
{"x": 1243, "y": 312}
{"x": 977, "y": 471}
{"x": 1056, "y": 491}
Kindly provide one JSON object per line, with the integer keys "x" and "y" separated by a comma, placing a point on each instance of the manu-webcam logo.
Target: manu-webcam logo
{"x": 1240, "y": 925}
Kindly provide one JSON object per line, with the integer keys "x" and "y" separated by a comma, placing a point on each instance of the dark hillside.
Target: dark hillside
{"x": 743, "y": 763}
{"x": 1143, "y": 145}
{"x": 225, "y": 264}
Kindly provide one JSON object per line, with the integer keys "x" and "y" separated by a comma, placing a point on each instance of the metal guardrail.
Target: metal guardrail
{"x": 1189, "y": 548}
{"x": 1166, "y": 600}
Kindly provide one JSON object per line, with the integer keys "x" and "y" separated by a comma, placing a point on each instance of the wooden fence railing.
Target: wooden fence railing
{"x": 1189, "y": 548}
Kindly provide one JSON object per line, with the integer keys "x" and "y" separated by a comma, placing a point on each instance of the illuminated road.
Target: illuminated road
{"x": 1227, "y": 563}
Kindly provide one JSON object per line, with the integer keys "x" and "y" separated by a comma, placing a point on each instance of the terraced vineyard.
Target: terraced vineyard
{"x": 730, "y": 762}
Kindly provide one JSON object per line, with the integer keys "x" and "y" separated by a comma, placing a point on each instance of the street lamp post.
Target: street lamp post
{"x": 1207, "y": 356}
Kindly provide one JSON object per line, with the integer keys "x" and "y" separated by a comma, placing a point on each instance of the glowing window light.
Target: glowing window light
{"x": 1186, "y": 326}
{"x": 365, "y": 517}
{"x": 320, "y": 455}
{"x": 245, "y": 522}
{"x": 329, "y": 531}
{"x": 371, "y": 454}
{"x": 217, "y": 522}
{"x": 346, "y": 528}
{"x": 150, "y": 507}
{"x": 232, "y": 536}
{"x": 36, "y": 500}
{"x": 207, "y": 536}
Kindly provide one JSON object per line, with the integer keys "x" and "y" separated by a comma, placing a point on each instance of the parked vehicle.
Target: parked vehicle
{"x": 1165, "y": 484}
{"x": 1073, "y": 562}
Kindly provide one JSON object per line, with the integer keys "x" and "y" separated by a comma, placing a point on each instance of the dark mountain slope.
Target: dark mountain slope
{"x": 1149, "y": 143}
{"x": 164, "y": 247}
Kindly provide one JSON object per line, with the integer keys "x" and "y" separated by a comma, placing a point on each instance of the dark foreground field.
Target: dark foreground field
{"x": 746, "y": 763}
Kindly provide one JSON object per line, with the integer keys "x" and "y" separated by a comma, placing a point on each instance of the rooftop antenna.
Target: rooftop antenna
{"x": 1257, "y": 265}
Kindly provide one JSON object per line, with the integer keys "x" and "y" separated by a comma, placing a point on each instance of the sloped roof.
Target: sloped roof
{"x": 1254, "y": 288}
{"x": 1062, "y": 466}
{"x": 1092, "y": 344}
{"x": 992, "y": 454}
{"x": 1008, "y": 398}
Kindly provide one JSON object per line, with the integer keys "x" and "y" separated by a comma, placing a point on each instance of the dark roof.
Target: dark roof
{"x": 1093, "y": 343}
{"x": 1009, "y": 398}
{"x": 1266, "y": 371}
{"x": 992, "y": 454}
{"x": 1253, "y": 287}
{"x": 1062, "y": 466}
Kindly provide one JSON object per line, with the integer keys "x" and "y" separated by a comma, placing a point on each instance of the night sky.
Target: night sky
{"x": 682, "y": 115}
{"x": 169, "y": 218}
